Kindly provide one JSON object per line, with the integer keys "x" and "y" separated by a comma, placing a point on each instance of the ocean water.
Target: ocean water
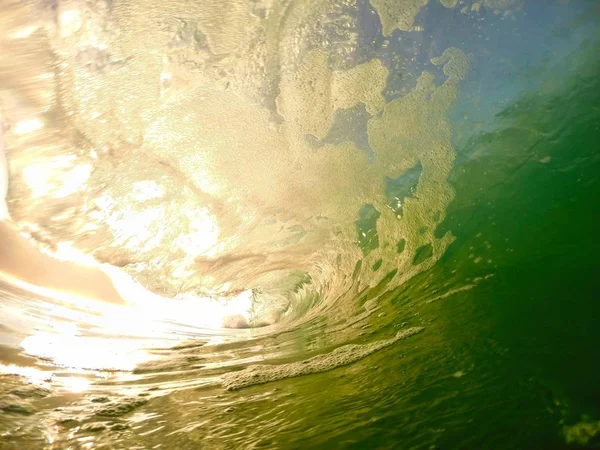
{"x": 299, "y": 224}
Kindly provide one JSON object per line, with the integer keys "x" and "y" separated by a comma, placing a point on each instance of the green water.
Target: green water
{"x": 505, "y": 352}
{"x": 512, "y": 363}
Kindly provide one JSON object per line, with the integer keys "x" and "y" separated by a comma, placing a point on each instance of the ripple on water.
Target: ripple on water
{"x": 341, "y": 356}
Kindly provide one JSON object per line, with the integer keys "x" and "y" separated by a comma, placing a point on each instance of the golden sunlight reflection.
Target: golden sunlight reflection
{"x": 43, "y": 178}
{"x": 76, "y": 384}
{"x": 74, "y": 180}
{"x": 120, "y": 336}
{"x": 187, "y": 309}
{"x": 33, "y": 375}
{"x": 38, "y": 180}
{"x": 66, "y": 252}
{"x": 203, "y": 234}
{"x": 24, "y": 32}
{"x": 80, "y": 352}
{"x": 72, "y": 331}
{"x": 138, "y": 229}
{"x": 83, "y": 334}
{"x": 70, "y": 22}
{"x": 27, "y": 126}
{"x": 46, "y": 378}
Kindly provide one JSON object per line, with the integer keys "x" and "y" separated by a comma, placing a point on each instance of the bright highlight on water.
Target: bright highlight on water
{"x": 299, "y": 224}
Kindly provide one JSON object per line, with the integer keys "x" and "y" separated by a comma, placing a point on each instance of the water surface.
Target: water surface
{"x": 299, "y": 224}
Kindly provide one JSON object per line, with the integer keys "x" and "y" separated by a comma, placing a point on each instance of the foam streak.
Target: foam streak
{"x": 341, "y": 356}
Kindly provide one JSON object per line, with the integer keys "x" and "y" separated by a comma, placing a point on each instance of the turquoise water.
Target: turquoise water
{"x": 426, "y": 278}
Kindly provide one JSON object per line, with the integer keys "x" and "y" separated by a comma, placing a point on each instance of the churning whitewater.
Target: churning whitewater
{"x": 298, "y": 223}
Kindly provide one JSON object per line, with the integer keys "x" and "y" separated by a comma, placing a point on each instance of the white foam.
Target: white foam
{"x": 341, "y": 356}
